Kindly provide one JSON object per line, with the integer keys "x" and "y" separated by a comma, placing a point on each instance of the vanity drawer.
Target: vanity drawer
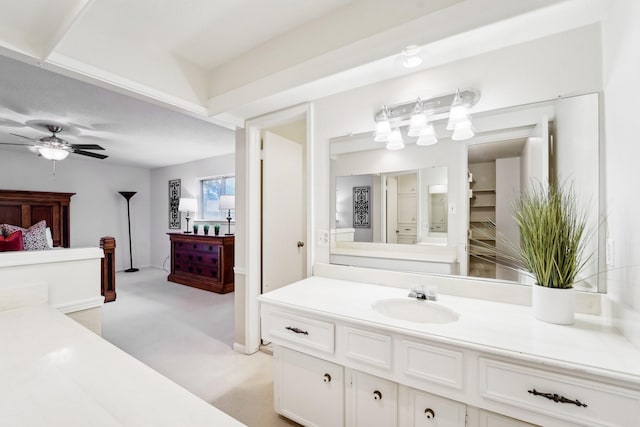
{"x": 368, "y": 347}
{"x": 433, "y": 364}
{"x": 599, "y": 403}
{"x": 301, "y": 330}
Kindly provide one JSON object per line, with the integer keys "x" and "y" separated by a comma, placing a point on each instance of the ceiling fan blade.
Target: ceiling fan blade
{"x": 90, "y": 154}
{"x": 20, "y": 144}
{"x": 86, "y": 147}
{"x": 25, "y": 137}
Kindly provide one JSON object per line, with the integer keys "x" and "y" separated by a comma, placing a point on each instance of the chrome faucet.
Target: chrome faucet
{"x": 420, "y": 294}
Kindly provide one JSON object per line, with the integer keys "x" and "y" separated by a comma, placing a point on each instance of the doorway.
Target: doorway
{"x": 255, "y": 245}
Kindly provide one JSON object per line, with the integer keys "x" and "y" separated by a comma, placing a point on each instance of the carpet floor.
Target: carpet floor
{"x": 186, "y": 334}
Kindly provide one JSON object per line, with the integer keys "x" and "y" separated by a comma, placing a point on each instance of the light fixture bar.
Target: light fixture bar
{"x": 437, "y": 105}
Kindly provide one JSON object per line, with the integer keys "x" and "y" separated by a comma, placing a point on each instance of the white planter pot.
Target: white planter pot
{"x": 553, "y": 305}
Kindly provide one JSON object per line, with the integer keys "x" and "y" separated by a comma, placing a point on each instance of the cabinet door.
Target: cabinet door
{"x": 407, "y": 183}
{"x": 407, "y": 209}
{"x": 421, "y": 409}
{"x": 308, "y": 390}
{"x": 370, "y": 401}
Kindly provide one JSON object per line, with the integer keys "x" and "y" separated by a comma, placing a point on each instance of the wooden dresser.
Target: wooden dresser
{"x": 204, "y": 262}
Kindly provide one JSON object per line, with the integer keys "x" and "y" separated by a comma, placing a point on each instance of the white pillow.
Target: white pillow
{"x": 47, "y": 233}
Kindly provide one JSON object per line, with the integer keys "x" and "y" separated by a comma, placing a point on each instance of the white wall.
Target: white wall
{"x": 97, "y": 209}
{"x": 189, "y": 175}
{"x": 534, "y": 71}
{"x": 621, "y": 63}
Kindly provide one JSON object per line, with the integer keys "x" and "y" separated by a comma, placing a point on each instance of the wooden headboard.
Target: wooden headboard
{"x": 25, "y": 208}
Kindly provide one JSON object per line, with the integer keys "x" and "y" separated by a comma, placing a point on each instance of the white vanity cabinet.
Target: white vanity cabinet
{"x": 334, "y": 366}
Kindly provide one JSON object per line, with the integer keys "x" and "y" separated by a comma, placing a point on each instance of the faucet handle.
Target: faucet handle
{"x": 432, "y": 293}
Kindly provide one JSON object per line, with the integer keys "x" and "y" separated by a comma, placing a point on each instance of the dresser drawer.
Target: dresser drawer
{"x": 590, "y": 402}
{"x": 196, "y": 247}
{"x": 206, "y": 259}
{"x": 432, "y": 364}
{"x": 300, "y": 330}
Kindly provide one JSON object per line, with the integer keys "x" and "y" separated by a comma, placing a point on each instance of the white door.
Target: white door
{"x": 284, "y": 250}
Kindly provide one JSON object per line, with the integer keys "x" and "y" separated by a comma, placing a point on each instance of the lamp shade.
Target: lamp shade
{"x": 187, "y": 204}
{"x": 226, "y": 202}
{"x": 51, "y": 153}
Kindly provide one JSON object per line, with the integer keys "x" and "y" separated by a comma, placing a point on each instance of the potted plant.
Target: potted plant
{"x": 195, "y": 228}
{"x": 552, "y": 228}
{"x": 216, "y": 229}
{"x": 206, "y": 229}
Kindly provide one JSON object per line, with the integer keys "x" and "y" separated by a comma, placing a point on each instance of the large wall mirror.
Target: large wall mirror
{"x": 423, "y": 208}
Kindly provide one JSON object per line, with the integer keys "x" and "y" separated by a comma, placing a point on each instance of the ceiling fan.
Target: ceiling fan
{"x": 54, "y": 148}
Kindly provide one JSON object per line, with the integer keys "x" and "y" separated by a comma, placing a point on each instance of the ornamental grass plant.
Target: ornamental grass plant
{"x": 552, "y": 226}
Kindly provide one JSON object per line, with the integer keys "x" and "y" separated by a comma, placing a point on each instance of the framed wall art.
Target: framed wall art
{"x": 361, "y": 208}
{"x": 174, "y": 200}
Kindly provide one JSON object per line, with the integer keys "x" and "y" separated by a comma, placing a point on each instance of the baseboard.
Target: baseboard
{"x": 240, "y": 348}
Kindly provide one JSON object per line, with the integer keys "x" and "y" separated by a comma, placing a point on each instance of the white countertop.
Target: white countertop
{"x": 54, "y": 372}
{"x": 588, "y": 346}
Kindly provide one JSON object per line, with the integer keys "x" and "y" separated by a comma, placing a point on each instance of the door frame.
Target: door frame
{"x": 252, "y": 214}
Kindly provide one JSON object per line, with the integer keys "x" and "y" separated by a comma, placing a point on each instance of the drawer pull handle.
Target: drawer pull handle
{"x": 327, "y": 378}
{"x": 377, "y": 395}
{"x": 429, "y": 413}
{"x": 557, "y": 398}
{"x": 296, "y": 330}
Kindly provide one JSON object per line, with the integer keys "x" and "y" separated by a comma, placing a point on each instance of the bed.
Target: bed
{"x": 66, "y": 278}
{"x": 25, "y": 208}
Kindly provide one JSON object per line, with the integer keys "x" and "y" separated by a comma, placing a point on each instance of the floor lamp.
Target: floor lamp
{"x": 128, "y": 195}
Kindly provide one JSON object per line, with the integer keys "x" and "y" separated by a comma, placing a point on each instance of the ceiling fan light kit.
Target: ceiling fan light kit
{"x": 55, "y": 148}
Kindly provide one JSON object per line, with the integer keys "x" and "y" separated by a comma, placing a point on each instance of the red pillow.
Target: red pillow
{"x": 13, "y": 242}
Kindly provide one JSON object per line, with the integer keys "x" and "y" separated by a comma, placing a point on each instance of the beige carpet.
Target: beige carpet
{"x": 186, "y": 334}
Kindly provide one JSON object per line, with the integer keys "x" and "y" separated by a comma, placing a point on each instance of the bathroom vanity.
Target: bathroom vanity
{"x": 356, "y": 354}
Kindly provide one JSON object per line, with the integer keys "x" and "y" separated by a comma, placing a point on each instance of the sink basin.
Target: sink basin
{"x": 414, "y": 310}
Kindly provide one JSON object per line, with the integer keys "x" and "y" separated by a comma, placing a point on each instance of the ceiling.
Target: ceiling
{"x": 159, "y": 82}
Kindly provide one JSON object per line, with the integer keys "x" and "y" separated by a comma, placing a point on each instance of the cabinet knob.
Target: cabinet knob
{"x": 300, "y": 244}
{"x": 429, "y": 413}
{"x": 327, "y": 378}
{"x": 377, "y": 395}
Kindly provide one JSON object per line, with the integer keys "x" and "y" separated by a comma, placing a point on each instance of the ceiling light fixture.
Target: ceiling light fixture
{"x": 410, "y": 56}
{"x": 52, "y": 153}
{"x": 420, "y": 115}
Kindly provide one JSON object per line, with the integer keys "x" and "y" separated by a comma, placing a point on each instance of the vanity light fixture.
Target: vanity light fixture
{"x": 420, "y": 115}
{"x": 459, "y": 120}
{"x": 418, "y": 120}
{"x": 427, "y": 136}
{"x": 410, "y": 56}
{"x": 383, "y": 125}
{"x": 395, "y": 140}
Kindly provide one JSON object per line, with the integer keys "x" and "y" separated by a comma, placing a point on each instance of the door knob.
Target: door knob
{"x": 429, "y": 413}
{"x": 300, "y": 244}
{"x": 377, "y": 395}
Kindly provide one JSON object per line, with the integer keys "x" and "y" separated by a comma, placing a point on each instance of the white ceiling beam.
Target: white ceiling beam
{"x": 65, "y": 26}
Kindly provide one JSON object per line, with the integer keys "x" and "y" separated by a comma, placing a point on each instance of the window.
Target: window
{"x": 211, "y": 189}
